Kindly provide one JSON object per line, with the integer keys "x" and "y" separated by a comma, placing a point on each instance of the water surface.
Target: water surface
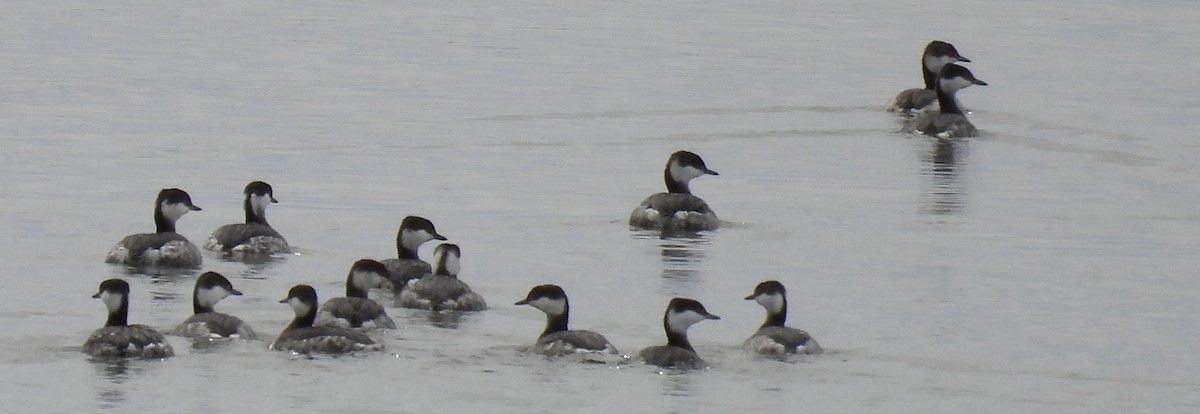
{"x": 1046, "y": 266}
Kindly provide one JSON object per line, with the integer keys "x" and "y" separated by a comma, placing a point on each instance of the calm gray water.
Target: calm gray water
{"x": 1046, "y": 266}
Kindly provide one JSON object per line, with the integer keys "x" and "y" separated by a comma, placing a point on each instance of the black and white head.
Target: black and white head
{"x": 415, "y": 231}
{"x": 211, "y": 287}
{"x": 548, "y": 298}
{"x": 683, "y": 166}
{"x": 114, "y": 293}
{"x": 682, "y": 313}
{"x": 173, "y": 203}
{"x": 367, "y": 274}
{"x": 445, "y": 259}
{"x": 954, "y": 77}
{"x": 938, "y": 54}
{"x": 259, "y": 195}
{"x": 302, "y": 298}
{"x": 771, "y": 295}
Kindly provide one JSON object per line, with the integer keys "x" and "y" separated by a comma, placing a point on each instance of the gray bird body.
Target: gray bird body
{"x": 677, "y": 209}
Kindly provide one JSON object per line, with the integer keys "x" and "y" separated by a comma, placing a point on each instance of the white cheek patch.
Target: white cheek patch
{"x": 173, "y": 211}
{"x": 299, "y": 306}
{"x": 259, "y": 203}
{"x": 414, "y": 238}
{"x": 955, "y": 83}
{"x": 112, "y": 301}
{"x": 935, "y": 63}
{"x": 684, "y": 173}
{"x": 773, "y": 302}
{"x": 367, "y": 279}
{"x": 210, "y": 296}
{"x": 451, "y": 264}
{"x": 680, "y": 321}
{"x": 550, "y": 306}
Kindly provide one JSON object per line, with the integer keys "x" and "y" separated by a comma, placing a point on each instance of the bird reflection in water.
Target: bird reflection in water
{"x": 679, "y": 385}
{"x": 445, "y": 319}
{"x": 112, "y": 374}
{"x": 158, "y": 273}
{"x": 681, "y": 258}
{"x": 250, "y": 259}
{"x": 942, "y": 165}
{"x": 682, "y": 254}
{"x": 258, "y": 260}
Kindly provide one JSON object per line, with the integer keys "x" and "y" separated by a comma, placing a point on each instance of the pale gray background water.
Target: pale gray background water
{"x": 1046, "y": 266}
